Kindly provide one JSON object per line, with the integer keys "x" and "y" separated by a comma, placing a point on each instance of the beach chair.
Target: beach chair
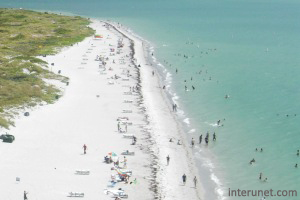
{"x": 111, "y": 184}
{"x": 127, "y": 93}
{"x": 127, "y": 111}
{"x": 76, "y": 194}
{"x": 116, "y": 193}
{"x": 127, "y": 153}
{"x": 126, "y": 171}
{"x": 127, "y": 101}
{"x": 129, "y": 136}
{"x": 127, "y": 123}
{"x": 82, "y": 172}
{"x": 122, "y": 119}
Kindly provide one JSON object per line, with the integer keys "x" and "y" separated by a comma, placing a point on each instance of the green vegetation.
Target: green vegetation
{"x": 23, "y": 36}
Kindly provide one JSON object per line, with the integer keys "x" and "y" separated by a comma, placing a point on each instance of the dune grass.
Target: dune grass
{"x": 24, "y": 35}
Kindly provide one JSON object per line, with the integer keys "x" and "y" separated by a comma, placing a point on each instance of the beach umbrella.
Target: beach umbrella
{"x": 112, "y": 154}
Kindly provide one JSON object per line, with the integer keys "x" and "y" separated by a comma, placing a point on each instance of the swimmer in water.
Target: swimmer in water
{"x": 260, "y": 176}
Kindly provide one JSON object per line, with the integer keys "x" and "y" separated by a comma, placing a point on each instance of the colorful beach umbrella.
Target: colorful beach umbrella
{"x": 112, "y": 154}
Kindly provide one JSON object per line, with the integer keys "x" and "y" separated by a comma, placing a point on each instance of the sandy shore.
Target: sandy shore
{"x": 48, "y": 149}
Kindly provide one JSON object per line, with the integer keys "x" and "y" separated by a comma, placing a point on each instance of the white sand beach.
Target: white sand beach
{"x": 47, "y": 158}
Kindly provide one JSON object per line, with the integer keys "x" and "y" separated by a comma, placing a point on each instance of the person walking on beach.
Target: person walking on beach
{"x": 195, "y": 181}
{"x": 84, "y": 148}
{"x": 25, "y": 195}
{"x": 133, "y": 140}
{"x": 168, "y": 159}
{"x": 200, "y": 139}
{"x": 118, "y": 126}
{"x": 184, "y": 179}
{"x": 193, "y": 142}
{"x": 178, "y": 142}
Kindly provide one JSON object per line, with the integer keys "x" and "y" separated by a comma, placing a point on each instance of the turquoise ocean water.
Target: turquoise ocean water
{"x": 247, "y": 49}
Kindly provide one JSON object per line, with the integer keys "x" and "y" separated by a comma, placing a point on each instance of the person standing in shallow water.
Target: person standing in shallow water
{"x": 200, "y": 139}
{"x": 206, "y": 140}
{"x": 260, "y": 176}
{"x": 214, "y": 137}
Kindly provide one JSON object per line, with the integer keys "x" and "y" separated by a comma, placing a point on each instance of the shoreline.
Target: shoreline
{"x": 64, "y": 126}
{"x": 146, "y": 67}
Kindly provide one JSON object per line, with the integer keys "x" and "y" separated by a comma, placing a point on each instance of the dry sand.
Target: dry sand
{"x": 49, "y": 143}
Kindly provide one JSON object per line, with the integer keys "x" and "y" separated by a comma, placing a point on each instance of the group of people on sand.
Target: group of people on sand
{"x": 184, "y": 179}
{"x": 178, "y": 141}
